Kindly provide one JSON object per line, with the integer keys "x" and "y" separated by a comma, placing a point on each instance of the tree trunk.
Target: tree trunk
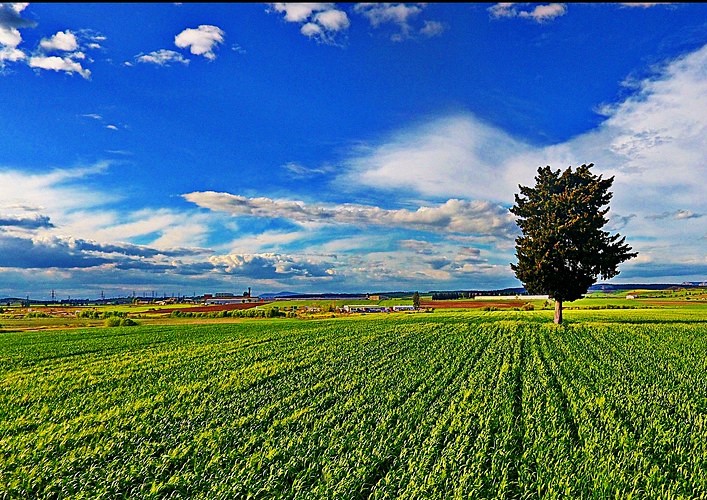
{"x": 558, "y": 311}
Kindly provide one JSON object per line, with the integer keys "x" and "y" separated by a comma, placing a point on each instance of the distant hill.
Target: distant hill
{"x": 277, "y": 295}
{"x": 5, "y": 300}
{"x": 608, "y": 287}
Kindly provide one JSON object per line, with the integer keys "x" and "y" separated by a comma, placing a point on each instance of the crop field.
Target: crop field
{"x": 612, "y": 404}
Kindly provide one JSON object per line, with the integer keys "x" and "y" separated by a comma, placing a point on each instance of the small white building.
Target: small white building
{"x": 364, "y": 308}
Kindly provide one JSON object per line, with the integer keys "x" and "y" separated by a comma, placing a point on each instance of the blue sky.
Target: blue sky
{"x": 192, "y": 148}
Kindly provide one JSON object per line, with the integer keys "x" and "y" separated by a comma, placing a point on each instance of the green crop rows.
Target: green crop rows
{"x": 430, "y": 406}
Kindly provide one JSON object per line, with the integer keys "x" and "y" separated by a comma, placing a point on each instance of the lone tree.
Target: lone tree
{"x": 416, "y": 300}
{"x": 563, "y": 248}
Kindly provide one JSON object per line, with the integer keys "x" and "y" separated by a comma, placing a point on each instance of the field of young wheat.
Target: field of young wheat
{"x": 463, "y": 405}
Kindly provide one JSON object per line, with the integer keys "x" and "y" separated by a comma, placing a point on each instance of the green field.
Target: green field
{"x": 613, "y": 404}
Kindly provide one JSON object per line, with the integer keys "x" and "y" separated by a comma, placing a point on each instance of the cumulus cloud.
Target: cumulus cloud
{"x": 162, "y": 57}
{"x": 67, "y": 42}
{"x": 320, "y": 21}
{"x": 401, "y": 16}
{"x": 332, "y": 20}
{"x": 201, "y": 41}
{"x": 479, "y": 217}
{"x": 538, "y": 13}
{"x": 10, "y": 38}
{"x": 325, "y": 21}
{"x": 65, "y": 52}
{"x": 272, "y": 265}
{"x": 64, "y": 41}
{"x": 300, "y": 12}
{"x": 61, "y": 64}
{"x": 432, "y": 28}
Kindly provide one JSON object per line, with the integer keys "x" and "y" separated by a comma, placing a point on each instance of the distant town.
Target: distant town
{"x": 227, "y": 298}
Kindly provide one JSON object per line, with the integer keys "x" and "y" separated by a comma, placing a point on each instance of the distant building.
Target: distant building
{"x": 364, "y": 308}
{"x": 223, "y": 301}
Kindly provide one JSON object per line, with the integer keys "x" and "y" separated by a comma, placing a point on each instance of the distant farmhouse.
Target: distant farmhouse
{"x": 227, "y": 298}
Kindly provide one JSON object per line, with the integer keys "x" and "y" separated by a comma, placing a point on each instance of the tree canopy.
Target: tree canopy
{"x": 563, "y": 249}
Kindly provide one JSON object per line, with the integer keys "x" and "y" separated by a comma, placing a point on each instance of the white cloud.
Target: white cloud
{"x": 56, "y": 63}
{"x": 418, "y": 264}
{"x": 300, "y": 12}
{"x": 660, "y": 129}
{"x": 73, "y": 57}
{"x": 402, "y": 17}
{"x": 332, "y": 20}
{"x": 56, "y": 192}
{"x": 273, "y": 266}
{"x": 538, "y": 13}
{"x": 644, "y": 5}
{"x": 11, "y": 54}
{"x": 298, "y": 170}
{"x": 381, "y": 13}
{"x": 268, "y": 241}
{"x": 62, "y": 41}
{"x": 320, "y": 21}
{"x": 162, "y": 57}
{"x": 478, "y": 217}
{"x": 311, "y": 30}
{"x": 457, "y": 154}
{"x": 169, "y": 228}
{"x": 432, "y": 28}
{"x": 10, "y": 37}
{"x": 82, "y": 213}
{"x": 201, "y": 41}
